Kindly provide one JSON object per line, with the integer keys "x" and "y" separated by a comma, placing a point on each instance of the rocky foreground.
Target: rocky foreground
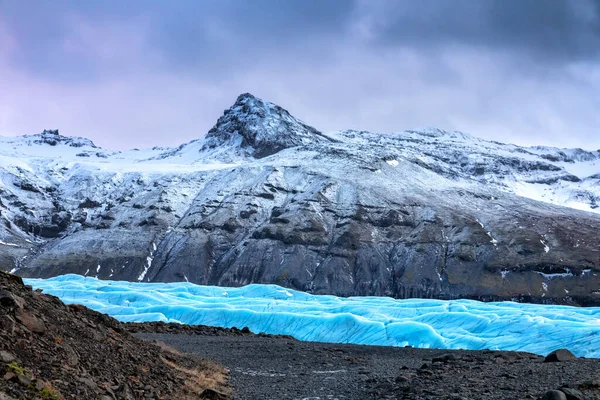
{"x": 263, "y": 367}
{"x": 49, "y": 350}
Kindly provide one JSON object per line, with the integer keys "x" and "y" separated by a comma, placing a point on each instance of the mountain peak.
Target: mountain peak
{"x": 52, "y": 137}
{"x": 245, "y": 96}
{"x": 259, "y": 128}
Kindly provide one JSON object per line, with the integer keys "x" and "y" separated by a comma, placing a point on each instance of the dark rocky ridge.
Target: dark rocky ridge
{"x": 423, "y": 214}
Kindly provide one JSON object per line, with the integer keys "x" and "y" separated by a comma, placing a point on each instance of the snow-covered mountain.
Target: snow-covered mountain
{"x": 265, "y": 198}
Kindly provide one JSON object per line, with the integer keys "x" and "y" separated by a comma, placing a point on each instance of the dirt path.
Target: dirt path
{"x": 279, "y": 368}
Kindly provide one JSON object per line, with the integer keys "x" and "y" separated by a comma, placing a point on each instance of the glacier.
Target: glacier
{"x": 423, "y": 323}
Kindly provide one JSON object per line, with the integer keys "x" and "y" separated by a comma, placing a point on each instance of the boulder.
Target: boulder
{"x": 554, "y": 395}
{"x": 444, "y": 358}
{"x": 211, "y": 394}
{"x": 560, "y": 356}
{"x": 573, "y": 394}
{"x": 31, "y": 322}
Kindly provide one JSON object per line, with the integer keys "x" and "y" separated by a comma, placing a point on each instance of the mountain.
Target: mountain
{"x": 258, "y": 128}
{"x": 265, "y": 198}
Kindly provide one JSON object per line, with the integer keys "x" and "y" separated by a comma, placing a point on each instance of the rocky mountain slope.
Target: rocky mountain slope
{"x": 265, "y": 198}
{"x": 49, "y": 350}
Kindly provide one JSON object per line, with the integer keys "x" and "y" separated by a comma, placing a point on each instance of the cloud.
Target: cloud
{"x": 144, "y": 73}
{"x": 465, "y": 90}
{"x": 552, "y": 31}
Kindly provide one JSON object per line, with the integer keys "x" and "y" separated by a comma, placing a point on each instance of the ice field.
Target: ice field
{"x": 457, "y": 324}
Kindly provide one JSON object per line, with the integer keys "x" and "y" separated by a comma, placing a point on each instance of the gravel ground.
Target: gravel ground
{"x": 283, "y": 368}
{"x": 53, "y": 351}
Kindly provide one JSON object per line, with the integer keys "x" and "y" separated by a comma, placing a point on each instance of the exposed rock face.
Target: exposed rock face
{"x": 265, "y": 198}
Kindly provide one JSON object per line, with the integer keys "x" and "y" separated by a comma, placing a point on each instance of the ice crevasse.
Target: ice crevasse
{"x": 454, "y": 324}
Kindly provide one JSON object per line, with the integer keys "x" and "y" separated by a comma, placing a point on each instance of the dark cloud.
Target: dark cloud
{"x": 244, "y": 31}
{"x": 556, "y": 30}
{"x": 46, "y": 36}
{"x": 201, "y": 36}
{"x": 218, "y": 36}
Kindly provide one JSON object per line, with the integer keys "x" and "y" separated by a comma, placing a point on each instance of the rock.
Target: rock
{"x": 31, "y": 322}
{"x": 9, "y": 376}
{"x": 560, "y": 356}
{"x": 573, "y": 394}
{"x": 23, "y": 380}
{"x": 89, "y": 203}
{"x": 5, "y": 397}
{"x": 593, "y": 383}
{"x": 88, "y": 382}
{"x": 402, "y": 379}
{"x": 554, "y": 395}
{"x": 444, "y": 358}
{"x": 10, "y": 300}
{"x": 211, "y": 394}
{"x": 6, "y": 357}
{"x": 6, "y": 298}
{"x": 7, "y": 324}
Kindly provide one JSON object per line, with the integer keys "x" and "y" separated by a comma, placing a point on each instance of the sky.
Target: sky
{"x": 142, "y": 73}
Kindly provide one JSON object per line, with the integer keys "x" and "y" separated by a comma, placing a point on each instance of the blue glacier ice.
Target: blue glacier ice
{"x": 456, "y": 324}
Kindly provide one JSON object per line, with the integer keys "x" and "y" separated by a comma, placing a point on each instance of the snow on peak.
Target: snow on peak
{"x": 259, "y": 128}
{"x": 52, "y": 137}
{"x": 49, "y": 143}
{"x": 253, "y": 128}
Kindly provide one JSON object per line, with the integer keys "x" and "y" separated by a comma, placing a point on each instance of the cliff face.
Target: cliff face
{"x": 265, "y": 198}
